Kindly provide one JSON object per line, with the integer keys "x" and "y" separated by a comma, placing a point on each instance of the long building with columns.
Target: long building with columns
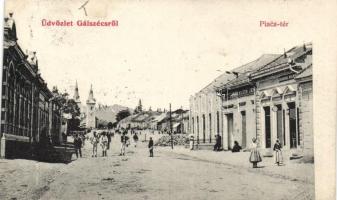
{"x": 269, "y": 98}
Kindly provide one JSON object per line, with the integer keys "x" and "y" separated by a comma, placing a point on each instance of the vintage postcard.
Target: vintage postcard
{"x": 190, "y": 99}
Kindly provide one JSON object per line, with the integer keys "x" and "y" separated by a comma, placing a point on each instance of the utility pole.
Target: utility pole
{"x": 171, "y": 127}
{"x": 182, "y": 120}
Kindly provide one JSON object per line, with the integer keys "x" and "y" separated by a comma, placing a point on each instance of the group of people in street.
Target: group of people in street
{"x": 103, "y": 139}
{"x": 255, "y": 156}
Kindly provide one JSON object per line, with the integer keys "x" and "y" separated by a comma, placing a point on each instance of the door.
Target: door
{"x": 198, "y": 129}
{"x": 210, "y": 128}
{"x": 203, "y": 129}
{"x": 230, "y": 130}
{"x": 244, "y": 134}
{"x": 292, "y": 125}
{"x": 279, "y": 122}
{"x": 267, "y": 127}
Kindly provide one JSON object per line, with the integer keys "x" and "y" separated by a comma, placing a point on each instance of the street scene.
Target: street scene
{"x": 170, "y": 174}
{"x": 88, "y": 113}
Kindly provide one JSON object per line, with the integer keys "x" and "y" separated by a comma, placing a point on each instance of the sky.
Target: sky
{"x": 162, "y": 51}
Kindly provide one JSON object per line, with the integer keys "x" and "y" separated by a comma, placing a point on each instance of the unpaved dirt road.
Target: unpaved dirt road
{"x": 166, "y": 176}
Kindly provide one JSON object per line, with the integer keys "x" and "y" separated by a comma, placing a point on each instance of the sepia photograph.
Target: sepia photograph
{"x": 158, "y": 100}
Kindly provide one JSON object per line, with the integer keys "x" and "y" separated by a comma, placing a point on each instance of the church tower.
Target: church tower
{"x": 77, "y": 96}
{"x": 91, "y": 118}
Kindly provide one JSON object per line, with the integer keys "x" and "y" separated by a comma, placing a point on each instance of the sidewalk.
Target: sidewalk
{"x": 291, "y": 169}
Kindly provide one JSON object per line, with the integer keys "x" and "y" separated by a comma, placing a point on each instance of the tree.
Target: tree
{"x": 122, "y": 114}
{"x": 69, "y": 106}
{"x": 74, "y": 124}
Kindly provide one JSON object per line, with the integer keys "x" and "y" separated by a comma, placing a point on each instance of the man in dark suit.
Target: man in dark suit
{"x": 78, "y": 145}
{"x": 151, "y": 147}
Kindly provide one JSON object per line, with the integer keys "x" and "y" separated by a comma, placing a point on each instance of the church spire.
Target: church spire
{"x": 91, "y": 98}
{"x": 76, "y": 94}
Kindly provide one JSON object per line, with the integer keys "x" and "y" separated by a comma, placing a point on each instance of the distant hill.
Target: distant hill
{"x": 106, "y": 114}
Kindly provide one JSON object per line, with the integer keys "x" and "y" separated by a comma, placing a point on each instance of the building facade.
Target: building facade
{"x": 268, "y": 99}
{"x": 305, "y": 96}
{"x": 238, "y": 100}
{"x": 28, "y": 111}
{"x": 277, "y": 99}
{"x": 206, "y": 114}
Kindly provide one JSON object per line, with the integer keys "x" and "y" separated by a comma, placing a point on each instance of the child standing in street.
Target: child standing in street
{"x": 278, "y": 152}
{"x": 151, "y": 147}
{"x": 255, "y": 156}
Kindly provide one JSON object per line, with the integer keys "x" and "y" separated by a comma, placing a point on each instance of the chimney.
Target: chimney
{"x": 304, "y": 47}
{"x": 284, "y": 53}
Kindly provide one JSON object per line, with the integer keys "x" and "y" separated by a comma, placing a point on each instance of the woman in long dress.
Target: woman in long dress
{"x": 255, "y": 156}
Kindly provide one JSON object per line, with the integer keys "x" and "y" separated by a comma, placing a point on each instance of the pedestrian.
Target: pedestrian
{"x": 278, "y": 152}
{"x": 151, "y": 147}
{"x": 191, "y": 142}
{"x": 217, "y": 145}
{"x": 109, "y": 139}
{"x": 124, "y": 140}
{"x": 255, "y": 156}
{"x": 236, "y": 147}
{"x": 94, "y": 142}
{"x": 104, "y": 144}
{"x": 78, "y": 145}
{"x": 135, "y": 139}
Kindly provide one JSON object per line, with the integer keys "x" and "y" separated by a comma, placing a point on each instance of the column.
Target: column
{"x": 273, "y": 124}
{"x": 6, "y": 107}
{"x": 286, "y": 131}
{"x": 225, "y": 132}
{"x": 31, "y": 115}
{"x": 262, "y": 139}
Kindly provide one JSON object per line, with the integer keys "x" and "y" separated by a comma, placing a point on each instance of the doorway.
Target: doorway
{"x": 244, "y": 134}
{"x": 203, "y": 129}
{"x": 267, "y": 127}
{"x": 279, "y": 121}
{"x": 210, "y": 128}
{"x": 230, "y": 130}
{"x": 292, "y": 125}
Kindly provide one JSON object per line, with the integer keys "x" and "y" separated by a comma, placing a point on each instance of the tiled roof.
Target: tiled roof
{"x": 305, "y": 73}
{"x": 282, "y": 61}
{"x": 244, "y": 69}
{"x": 251, "y": 67}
